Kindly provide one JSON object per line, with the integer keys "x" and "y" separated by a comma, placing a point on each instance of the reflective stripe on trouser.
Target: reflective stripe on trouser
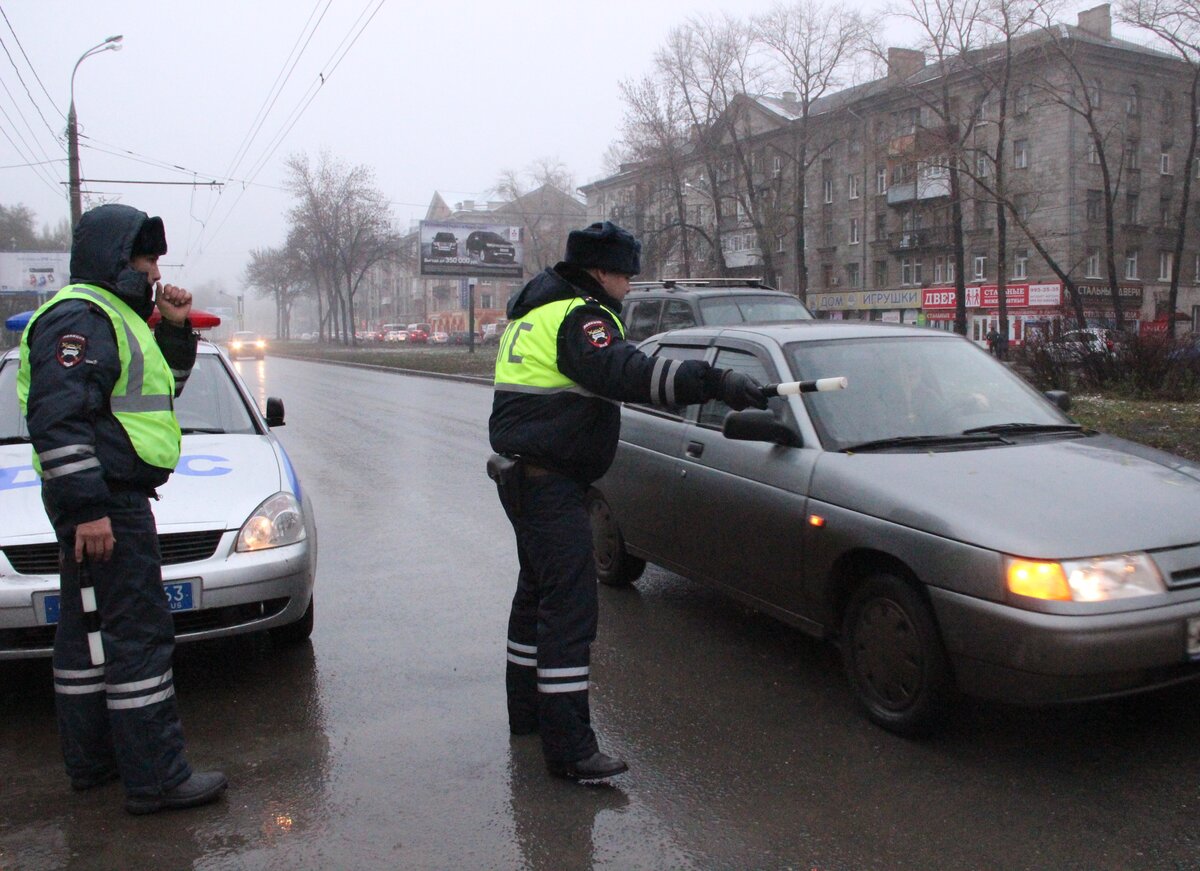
{"x": 123, "y": 713}
{"x": 553, "y": 619}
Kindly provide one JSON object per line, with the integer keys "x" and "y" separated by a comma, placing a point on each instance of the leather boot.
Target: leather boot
{"x": 596, "y": 767}
{"x": 201, "y": 788}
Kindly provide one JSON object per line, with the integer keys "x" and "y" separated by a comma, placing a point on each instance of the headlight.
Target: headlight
{"x": 235, "y": 345}
{"x": 276, "y": 522}
{"x": 1098, "y": 579}
{"x": 260, "y": 344}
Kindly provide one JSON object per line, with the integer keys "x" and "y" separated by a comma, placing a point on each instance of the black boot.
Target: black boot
{"x": 200, "y": 788}
{"x": 596, "y": 767}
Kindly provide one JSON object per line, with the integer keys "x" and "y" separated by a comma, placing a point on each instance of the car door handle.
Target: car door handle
{"x": 694, "y": 449}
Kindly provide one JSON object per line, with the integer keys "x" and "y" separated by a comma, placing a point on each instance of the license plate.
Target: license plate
{"x": 1193, "y": 637}
{"x": 181, "y": 596}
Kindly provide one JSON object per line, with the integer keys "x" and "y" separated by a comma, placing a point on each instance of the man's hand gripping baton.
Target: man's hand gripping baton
{"x": 792, "y": 388}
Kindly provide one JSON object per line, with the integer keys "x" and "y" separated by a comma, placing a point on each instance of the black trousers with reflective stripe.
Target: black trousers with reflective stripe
{"x": 554, "y": 610}
{"x": 126, "y": 717}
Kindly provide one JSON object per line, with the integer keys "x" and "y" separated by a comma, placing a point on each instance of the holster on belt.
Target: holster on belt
{"x": 507, "y": 473}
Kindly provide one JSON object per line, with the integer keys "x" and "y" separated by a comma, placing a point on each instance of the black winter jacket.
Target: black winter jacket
{"x": 69, "y": 404}
{"x": 570, "y": 433}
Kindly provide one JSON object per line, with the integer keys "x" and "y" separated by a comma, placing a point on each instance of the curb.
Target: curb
{"x": 444, "y": 376}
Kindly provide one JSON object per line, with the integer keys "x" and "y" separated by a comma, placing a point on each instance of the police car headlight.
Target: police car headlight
{"x": 276, "y": 522}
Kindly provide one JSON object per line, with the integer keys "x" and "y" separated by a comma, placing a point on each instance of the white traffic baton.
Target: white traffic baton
{"x": 91, "y": 615}
{"x": 792, "y": 388}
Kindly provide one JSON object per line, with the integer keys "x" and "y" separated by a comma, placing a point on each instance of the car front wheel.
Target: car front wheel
{"x": 894, "y": 657}
{"x": 614, "y": 565}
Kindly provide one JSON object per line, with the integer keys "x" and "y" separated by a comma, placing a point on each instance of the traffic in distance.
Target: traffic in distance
{"x": 937, "y": 519}
{"x": 236, "y": 529}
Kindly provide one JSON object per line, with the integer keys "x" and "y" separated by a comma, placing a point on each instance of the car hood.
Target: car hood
{"x": 1043, "y": 499}
{"x": 220, "y": 479}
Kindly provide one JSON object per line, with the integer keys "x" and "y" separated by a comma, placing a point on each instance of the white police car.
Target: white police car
{"x": 236, "y": 530}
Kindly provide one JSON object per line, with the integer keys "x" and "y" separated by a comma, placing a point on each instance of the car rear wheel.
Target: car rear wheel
{"x": 894, "y": 657}
{"x": 614, "y": 565}
{"x": 295, "y": 633}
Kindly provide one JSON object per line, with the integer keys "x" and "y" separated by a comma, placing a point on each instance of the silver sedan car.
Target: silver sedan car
{"x": 947, "y": 525}
{"x": 235, "y": 528}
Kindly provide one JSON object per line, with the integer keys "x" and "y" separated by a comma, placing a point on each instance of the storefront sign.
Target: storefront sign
{"x": 988, "y": 296}
{"x": 1130, "y": 294}
{"x": 864, "y": 299}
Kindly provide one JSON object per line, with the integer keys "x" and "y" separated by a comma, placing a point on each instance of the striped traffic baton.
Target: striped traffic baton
{"x": 91, "y": 615}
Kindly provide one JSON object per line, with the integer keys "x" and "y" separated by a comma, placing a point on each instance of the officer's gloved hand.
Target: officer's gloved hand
{"x": 740, "y": 391}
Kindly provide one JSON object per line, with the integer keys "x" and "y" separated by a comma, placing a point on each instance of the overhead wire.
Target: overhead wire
{"x": 21, "y": 79}
{"x": 32, "y": 68}
{"x": 32, "y": 133}
{"x": 36, "y": 165}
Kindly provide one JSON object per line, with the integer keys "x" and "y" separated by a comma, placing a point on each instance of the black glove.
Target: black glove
{"x": 740, "y": 391}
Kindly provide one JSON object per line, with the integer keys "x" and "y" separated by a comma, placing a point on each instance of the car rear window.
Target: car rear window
{"x": 751, "y": 309}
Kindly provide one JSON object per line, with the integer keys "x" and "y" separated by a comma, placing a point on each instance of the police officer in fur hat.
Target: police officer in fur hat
{"x": 563, "y": 367}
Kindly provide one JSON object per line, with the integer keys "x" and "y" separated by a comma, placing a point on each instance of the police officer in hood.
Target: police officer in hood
{"x": 98, "y": 388}
{"x": 561, "y": 370}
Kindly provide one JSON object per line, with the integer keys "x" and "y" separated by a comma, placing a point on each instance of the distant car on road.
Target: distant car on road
{"x": 491, "y": 247}
{"x": 396, "y": 336}
{"x": 419, "y": 333}
{"x": 245, "y": 343}
{"x": 943, "y": 522}
{"x": 237, "y": 532}
{"x": 439, "y": 338}
{"x": 444, "y": 245}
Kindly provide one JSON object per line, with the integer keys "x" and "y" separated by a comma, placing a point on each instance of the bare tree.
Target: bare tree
{"x": 810, "y": 46}
{"x": 275, "y": 274}
{"x": 537, "y": 198}
{"x": 345, "y": 224}
{"x": 1177, "y": 24}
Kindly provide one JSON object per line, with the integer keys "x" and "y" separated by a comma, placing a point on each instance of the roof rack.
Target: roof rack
{"x": 668, "y": 283}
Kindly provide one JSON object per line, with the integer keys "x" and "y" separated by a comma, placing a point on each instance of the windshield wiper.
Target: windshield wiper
{"x": 1009, "y": 428}
{"x": 190, "y": 430}
{"x": 926, "y": 441}
{"x": 14, "y": 440}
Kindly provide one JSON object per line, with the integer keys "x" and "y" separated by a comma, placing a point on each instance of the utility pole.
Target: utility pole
{"x": 113, "y": 43}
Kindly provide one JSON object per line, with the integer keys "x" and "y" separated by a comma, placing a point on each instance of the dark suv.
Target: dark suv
{"x": 491, "y": 247}
{"x": 444, "y": 245}
{"x": 653, "y": 307}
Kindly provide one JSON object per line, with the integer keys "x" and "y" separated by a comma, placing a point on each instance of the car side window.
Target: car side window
{"x": 672, "y": 352}
{"x": 643, "y": 320}
{"x": 676, "y": 315}
{"x": 713, "y": 412}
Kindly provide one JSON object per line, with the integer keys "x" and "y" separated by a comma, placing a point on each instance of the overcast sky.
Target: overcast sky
{"x": 435, "y": 96}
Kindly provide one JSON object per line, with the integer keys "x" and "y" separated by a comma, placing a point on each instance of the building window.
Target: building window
{"x": 827, "y": 231}
{"x": 1021, "y": 99}
{"x": 1021, "y": 264}
{"x": 779, "y": 244}
{"x": 881, "y": 178}
{"x": 854, "y": 231}
{"x": 1095, "y": 94}
{"x": 1021, "y": 206}
{"x": 1164, "y": 163}
{"x": 1131, "y": 266}
{"x": 1168, "y": 107}
{"x": 1131, "y": 208}
{"x": 983, "y": 164}
{"x": 1021, "y": 154}
{"x": 853, "y": 278}
{"x": 1092, "y": 268}
{"x": 777, "y": 166}
{"x": 741, "y": 212}
{"x": 1164, "y": 210}
{"x": 1132, "y": 161}
{"x": 943, "y": 270}
{"x": 881, "y": 226}
{"x": 1166, "y": 261}
{"x": 881, "y": 272}
{"x": 828, "y": 187}
{"x": 1133, "y": 100}
{"x": 827, "y": 274}
{"x": 1093, "y": 153}
{"x": 852, "y": 184}
{"x": 980, "y": 267}
{"x": 910, "y": 270}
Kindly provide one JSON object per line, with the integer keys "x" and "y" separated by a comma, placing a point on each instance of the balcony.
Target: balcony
{"x": 924, "y": 187}
{"x": 931, "y": 239}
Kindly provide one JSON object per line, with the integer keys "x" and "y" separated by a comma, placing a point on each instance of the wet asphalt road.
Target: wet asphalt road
{"x": 384, "y": 744}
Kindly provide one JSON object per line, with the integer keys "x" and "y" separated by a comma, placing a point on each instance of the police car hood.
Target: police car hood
{"x": 219, "y": 481}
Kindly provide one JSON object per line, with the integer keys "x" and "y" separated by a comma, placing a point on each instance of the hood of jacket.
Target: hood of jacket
{"x": 100, "y": 253}
{"x": 564, "y": 281}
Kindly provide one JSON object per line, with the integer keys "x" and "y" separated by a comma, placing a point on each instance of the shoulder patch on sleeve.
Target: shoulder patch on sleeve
{"x": 598, "y": 334}
{"x": 70, "y": 350}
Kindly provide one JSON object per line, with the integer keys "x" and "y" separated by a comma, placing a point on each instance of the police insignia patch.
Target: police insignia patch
{"x": 70, "y": 350}
{"x": 597, "y": 334}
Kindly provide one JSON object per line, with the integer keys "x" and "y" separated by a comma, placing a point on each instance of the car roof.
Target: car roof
{"x": 699, "y": 291}
{"x": 810, "y": 331}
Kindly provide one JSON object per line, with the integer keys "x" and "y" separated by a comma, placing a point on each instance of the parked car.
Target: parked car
{"x": 444, "y": 244}
{"x": 245, "y": 343}
{"x": 937, "y": 518}
{"x": 1074, "y": 346}
{"x": 439, "y": 338}
{"x": 656, "y": 306}
{"x": 459, "y": 337}
{"x": 235, "y": 528}
{"x": 396, "y": 336}
{"x": 491, "y": 247}
{"x": 490, "y": 333}
{"x": 419, "y": 333}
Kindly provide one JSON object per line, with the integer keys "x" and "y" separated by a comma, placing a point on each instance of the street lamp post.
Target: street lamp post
{"x": 113, "y": 43}
{"x": 241, "y": 307}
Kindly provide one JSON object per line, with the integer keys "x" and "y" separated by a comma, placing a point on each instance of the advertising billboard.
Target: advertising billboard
{"x": 470, "y": 250}
{"x": 34, "y": 272}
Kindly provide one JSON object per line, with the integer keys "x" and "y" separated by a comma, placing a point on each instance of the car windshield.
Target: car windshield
{"x": 244, "y": 337}
{"x": 919, "y": 386}
{"x": 210, "y": 403}
{"x": 749, "y": 309}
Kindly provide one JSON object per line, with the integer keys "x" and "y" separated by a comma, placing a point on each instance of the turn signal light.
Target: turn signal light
{"x": 1038, "y": 580}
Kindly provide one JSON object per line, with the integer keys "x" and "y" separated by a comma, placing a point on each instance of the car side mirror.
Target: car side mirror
{"x": 760, "y": 426}
{"x": 1060, "y": 398}
{"x": 274, "y": 411}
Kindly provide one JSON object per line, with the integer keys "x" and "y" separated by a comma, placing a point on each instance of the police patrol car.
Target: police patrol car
{"x": 235, "y": 527}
